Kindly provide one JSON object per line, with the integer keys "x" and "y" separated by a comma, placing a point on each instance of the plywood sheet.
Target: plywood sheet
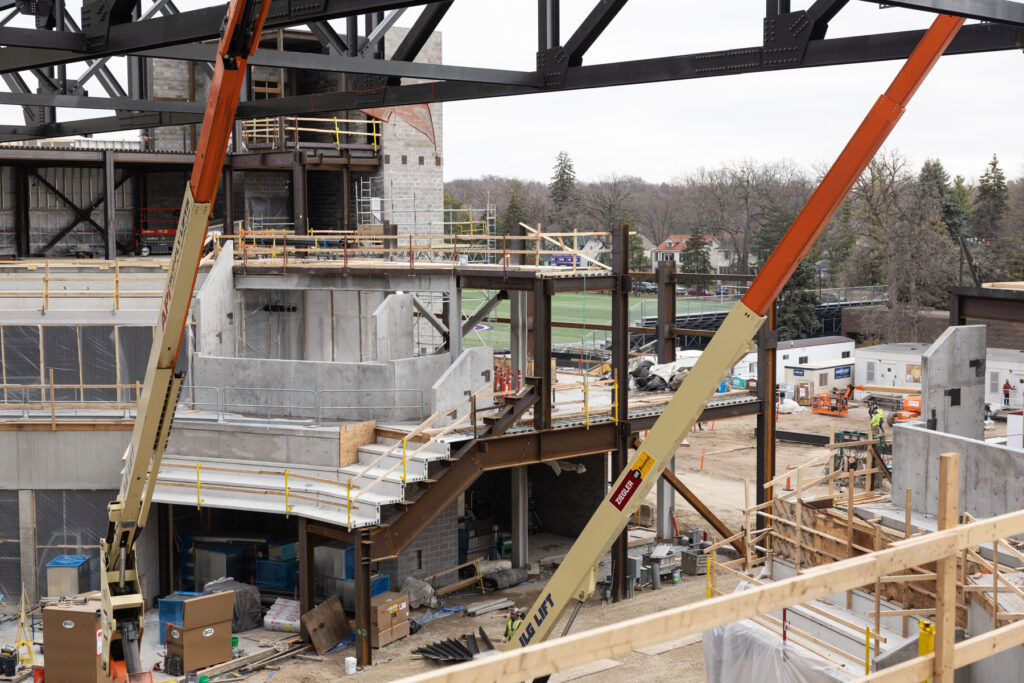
{"x": 351, "y": 437}
{"x": 326, "y": 624}
{"x": 670, "y": 645}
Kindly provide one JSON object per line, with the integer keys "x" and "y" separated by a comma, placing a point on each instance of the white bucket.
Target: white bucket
{"x": 350, "y": 665}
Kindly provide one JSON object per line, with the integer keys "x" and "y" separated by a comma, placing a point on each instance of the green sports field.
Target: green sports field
{"x": 576, "y": 307}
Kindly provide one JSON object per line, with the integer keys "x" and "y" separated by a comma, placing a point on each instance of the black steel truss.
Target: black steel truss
{"x": 792, "y": 39}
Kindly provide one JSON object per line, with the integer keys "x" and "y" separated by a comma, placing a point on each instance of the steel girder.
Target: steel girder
{"x": 792, "y": 40}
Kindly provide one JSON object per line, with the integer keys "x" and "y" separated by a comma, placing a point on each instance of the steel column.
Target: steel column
{"x": 364, "y": 656}
{"x": 299, "y": 200}
{"x": 620, "y": 370}
{"x": 547, "y": 24}
{"x": 542, "y": 354}
{"x": 109, "y": 205}
{"x": 767, "y": 392}
{"x": 666, "y": 346}
{"x": 307, "y": 580}
{"x": 22, "y": 228}
{"x": 229, "y": 201}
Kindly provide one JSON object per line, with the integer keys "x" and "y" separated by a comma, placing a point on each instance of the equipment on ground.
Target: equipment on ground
{"x": 899, "y": 408}
{"x": 730, "y": 342}
{"x": 834, "y": 402}
{"x": 122, "y": 599}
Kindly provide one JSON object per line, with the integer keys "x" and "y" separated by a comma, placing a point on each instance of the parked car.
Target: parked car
{"x": 697, "y": 291}
{"x": 644, "y": 287}
{"x": 722, "y": 291}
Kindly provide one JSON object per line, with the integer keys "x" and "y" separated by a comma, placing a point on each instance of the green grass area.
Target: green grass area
{"x": 576, "y": 307}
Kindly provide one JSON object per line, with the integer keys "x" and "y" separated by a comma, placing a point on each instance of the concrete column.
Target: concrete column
{"x": 27, "y": 542}
{"x": 318, "y": 318}
{"x": 453, "y": 320}
{"x": 345, "y": 334}
{"x": 520, "y": 518}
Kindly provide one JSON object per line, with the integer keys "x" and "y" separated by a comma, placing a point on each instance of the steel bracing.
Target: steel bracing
{"x": 792, "y": 39}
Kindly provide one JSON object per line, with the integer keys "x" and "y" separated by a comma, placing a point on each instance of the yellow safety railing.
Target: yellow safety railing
{"x": 199, "y": 500}
{"x": 311, "y": 131}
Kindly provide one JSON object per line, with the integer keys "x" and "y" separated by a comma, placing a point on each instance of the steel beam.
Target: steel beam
{"x": 542, "y": 353}
{"x": 420, "y": 32}
{"x": 767, "y": 343}
{"x": 999, "y": 11}
{"x": 328, "y": 37}
{"x": 109, "y": 205}
{"x": 670, "y": 478}
{"x": 483, "y": 312}
{"x": 986, "y": 303}
{"x": 591, "y": 29}
{"x": 620, "y": 371}
{"x": 376, "y": 35}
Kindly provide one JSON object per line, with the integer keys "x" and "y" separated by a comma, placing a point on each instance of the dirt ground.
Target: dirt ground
{"x": 729, "y": 458}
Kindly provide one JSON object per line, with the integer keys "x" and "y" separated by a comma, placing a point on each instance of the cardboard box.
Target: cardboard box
{"x": 204, "y": 636}
{"x": 389, "y": 635}
{"x": 388, "y": 609}
{"x": 73, "y": 642}
{"x": 202, "y": 646}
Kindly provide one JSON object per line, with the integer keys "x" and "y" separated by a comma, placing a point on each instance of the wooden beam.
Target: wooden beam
{"x": 945, "y": 569}
{"x": 677, "y": 622}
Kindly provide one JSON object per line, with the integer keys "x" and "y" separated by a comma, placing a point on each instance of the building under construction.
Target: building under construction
{"x": 342, "y": 450}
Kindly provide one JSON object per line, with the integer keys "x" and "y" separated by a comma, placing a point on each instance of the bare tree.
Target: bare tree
{"x": 603, "y": 203}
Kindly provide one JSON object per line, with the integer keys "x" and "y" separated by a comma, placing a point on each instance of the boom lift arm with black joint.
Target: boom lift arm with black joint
{"x": 123, "y": 602}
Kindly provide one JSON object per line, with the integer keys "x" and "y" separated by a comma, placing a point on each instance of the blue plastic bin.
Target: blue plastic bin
{"x": 278, "y": 574}
{"x": 171, "y": 610}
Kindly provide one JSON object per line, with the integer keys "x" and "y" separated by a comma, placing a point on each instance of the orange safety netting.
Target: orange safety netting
{"x": 416, "y": 115}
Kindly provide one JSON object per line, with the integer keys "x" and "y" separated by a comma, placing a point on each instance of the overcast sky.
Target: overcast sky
{"x": 969, "y": 108}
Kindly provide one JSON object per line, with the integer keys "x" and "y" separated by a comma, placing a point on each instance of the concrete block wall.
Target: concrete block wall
{"x": 991, "y": 476}
{"x": 565, "y": 502}
{"x": 172, "y": 78}
{"x": 434, "y": 550}
{"x": 268, "y": 194}
{"x": 415, "y": 189}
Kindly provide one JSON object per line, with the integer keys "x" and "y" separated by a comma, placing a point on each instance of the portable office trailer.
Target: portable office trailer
{"x": 798, "y": 352}
{"x": 1002, "y": 365}
{"x": 889, "y": 365}
{"x": 806, "y": 380}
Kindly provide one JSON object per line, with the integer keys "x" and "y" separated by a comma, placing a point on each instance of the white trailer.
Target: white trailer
{"x": 798, "y": 352}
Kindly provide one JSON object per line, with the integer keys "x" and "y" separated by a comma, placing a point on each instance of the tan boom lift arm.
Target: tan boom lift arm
{"x": 123, "y": 604}
{"x": 731, "y": 341}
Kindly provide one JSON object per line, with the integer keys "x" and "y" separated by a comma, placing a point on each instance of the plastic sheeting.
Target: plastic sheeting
{"x": 10, "y": 548}
{"x": 70, "y": 523}
{"x": 247, "y": 603}
{"x": 744, "y": 651}
{"x": 99, "y": 361}
{"x": 272, "y": 324}
{"x": 21, "y": 362}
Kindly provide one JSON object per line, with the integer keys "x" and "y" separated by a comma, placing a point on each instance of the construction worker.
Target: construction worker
{"x": 515, "y": 617}
{"x": 1007, "y": 388}
{"x": 877, "y": 423}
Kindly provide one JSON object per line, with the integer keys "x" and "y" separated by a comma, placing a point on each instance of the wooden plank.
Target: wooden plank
{"x": 351, "y": 437}
{"x": 945, "y": 569}
{"x": 585, "y": 670}
{"x": 578, "y": 648}
{"x": 669, "y": 645}
{"x": 326, "y": 624}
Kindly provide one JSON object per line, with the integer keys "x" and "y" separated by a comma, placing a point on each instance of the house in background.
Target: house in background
{"x": 671, "y": 249}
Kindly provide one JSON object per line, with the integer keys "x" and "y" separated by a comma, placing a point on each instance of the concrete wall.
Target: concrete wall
{"x": 1005, "y": 667}
{"x": 349, "y": 391}
{"x": 62, "y": 459}
{"x": 991, "y": 477}
{"x": 392, "y": 328}
{"x": 434, "y": 550}
{"x": 213, "y": 308}
{"x": 472, "y": 370}
{"x": 279, "y": 443}
{"x": 952, "y": 389}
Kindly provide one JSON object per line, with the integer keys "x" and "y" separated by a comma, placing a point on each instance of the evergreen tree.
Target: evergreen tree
{"x": 936, "y": 188}
{"x": 515, "y": 212}
{"x": 990, "y": 205}
{"x": 695, "y": 258}
{"x": 562, "y": 190}
{"x": 797, "y": 318}
{"x": 638, "y": 260}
